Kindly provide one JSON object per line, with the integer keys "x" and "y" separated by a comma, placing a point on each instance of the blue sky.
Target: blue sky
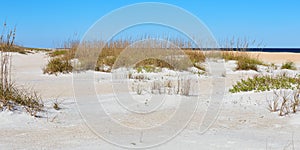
{"x": 47, "y": 23}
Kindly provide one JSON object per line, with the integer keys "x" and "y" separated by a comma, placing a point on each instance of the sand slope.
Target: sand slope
{"x": 243, "y": 122}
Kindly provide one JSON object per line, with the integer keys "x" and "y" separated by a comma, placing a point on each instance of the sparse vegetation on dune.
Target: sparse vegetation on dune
{"x": 235, "y": 49}
{"x": 180, "y": 86}
{"x": 109, "y": 54}
{"x": 11, "y": 96}
{"x": 58, "y": 53}
{"x": 60, "y": 61}
{"x": 266, "y": 83}
{"x": 58, "y": 65}
{"x": 245, "y": 62}
{"x": 284, "y": 102}
{"x": 289, "y": 65}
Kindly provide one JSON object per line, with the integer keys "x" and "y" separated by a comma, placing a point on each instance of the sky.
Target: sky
{"x": 47, "y": 23}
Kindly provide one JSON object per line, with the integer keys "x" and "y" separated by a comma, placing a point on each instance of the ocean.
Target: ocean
{"x": 290, "y": 50}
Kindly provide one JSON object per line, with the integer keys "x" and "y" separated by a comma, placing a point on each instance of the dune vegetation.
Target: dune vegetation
{"x": 11, "y": 96}
{"x": 109, "y": 54}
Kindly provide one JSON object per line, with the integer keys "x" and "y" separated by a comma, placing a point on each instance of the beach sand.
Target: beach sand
{"x": 277, "y": 58}
{"x": 243, "y": 121}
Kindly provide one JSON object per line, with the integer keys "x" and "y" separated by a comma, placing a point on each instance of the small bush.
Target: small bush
{"x": 266, "y": 83}
{"x": 58, "y": 65}
{"x": 289, "y": 65}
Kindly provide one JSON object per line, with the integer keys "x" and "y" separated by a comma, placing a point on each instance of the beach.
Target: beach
{"x": 242, "y": 121}
{"x": 278, "y": 58}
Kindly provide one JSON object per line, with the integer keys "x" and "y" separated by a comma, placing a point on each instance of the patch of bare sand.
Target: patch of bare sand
{"x": 277, "y": 58}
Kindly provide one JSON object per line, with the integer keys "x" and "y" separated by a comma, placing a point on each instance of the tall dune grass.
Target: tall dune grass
{"x": 111, "y": 51}
{"x": 10, "y": 95}
{"x": 236, "y": 49}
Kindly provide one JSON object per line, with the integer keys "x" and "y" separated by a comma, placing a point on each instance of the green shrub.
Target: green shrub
{"x": 289, "y": 65}
{"x": 266, "y": 83}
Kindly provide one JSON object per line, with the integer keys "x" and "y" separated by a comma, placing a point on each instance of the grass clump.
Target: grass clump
{"x": 266, "y": 83}
{"x": 58, "y": 53}
{"x": 10, "y": 95}
{"x": 148, "y": 68}
{"x": 60, "y": 61}
{"x": 111, "y": 52}
{"x": 289, "y": 65}
{"x": 247, "y": 63}
{"x": 236, "y": 49}
{"x": 284, "y": 102}
{"x": 152, "y": 65}
{"x": 58, "y": 65}
{"x": 244, "y": 60}
{"x": 195, "y": 56}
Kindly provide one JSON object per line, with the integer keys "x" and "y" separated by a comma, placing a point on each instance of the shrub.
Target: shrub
{"x": 58, "y": 65}
{"x": 289, "y": 65}
{"x": 266, "y": 83}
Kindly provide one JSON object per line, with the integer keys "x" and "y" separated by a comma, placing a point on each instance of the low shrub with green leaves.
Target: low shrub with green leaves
{"x": 266, "y": 83}
{"x": 289, "y": 65}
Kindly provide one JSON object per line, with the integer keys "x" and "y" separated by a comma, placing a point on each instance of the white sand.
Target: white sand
{"x": 243, "y": 122}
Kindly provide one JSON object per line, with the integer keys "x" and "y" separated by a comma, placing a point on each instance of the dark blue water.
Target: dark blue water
{"x": 290, "y": 50}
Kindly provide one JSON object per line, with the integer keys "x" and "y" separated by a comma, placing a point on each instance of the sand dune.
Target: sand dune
{"x": 243, "y": 121}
